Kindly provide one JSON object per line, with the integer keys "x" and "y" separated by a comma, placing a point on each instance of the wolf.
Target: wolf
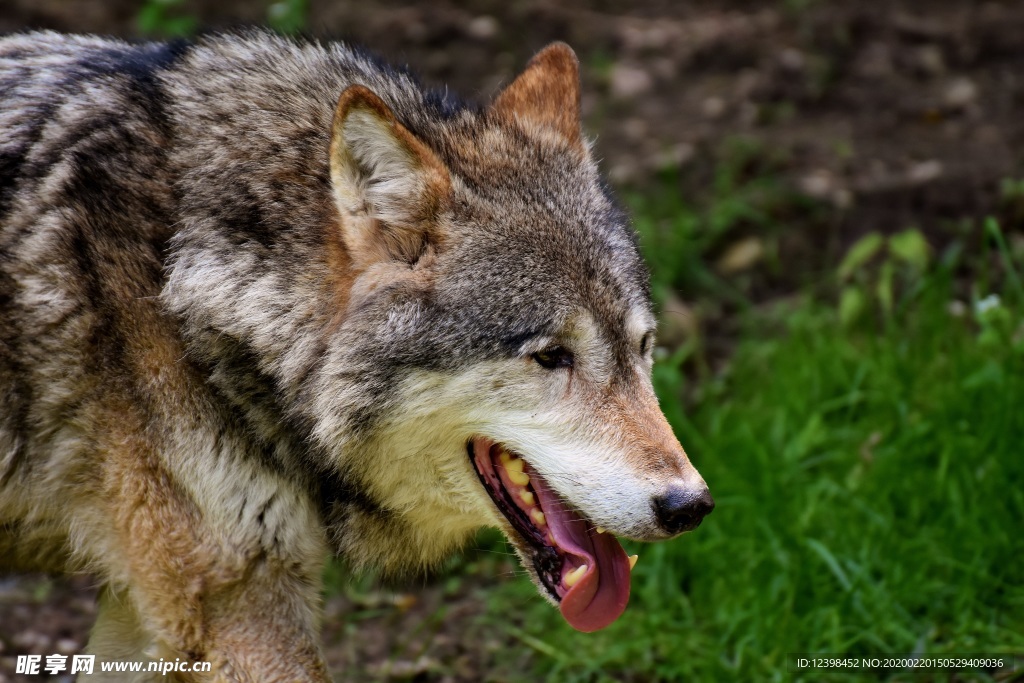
{"x": 263, "y": 301}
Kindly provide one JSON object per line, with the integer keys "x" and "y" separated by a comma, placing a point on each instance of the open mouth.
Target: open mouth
{"x": 583, "y": 568}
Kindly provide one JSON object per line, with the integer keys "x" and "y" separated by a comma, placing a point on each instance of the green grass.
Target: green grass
{"x": 870, "y": 490}
{"x": 742, "y": 196}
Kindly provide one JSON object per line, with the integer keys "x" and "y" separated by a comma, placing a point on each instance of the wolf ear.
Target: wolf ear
{"x": 388, "y": 185}
{"x": 546, "y": 94}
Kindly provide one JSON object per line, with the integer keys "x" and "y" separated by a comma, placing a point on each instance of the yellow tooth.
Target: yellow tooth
{"x": 632, "y": 561}
{"x": 601, "y": 530}
{"x": 538, "y": 517}
{"x": 513, "y": 465}
{"x": 504, "y": 456}
{"x": 518, "y": 478}
{"x": 574, "y": 576}
{"x": 526, "y": 497}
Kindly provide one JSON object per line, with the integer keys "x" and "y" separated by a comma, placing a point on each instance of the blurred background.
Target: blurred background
{"x": 831, "y": 197}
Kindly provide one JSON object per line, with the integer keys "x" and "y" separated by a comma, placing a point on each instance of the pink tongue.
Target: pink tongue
{"x": 601, "y": 594}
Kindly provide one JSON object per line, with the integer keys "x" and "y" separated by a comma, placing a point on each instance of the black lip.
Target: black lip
{"x": 546, "y": 559}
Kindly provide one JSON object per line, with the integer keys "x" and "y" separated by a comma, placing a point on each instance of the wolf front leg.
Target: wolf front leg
{"x": 228, "y": 575}
{"x": 247, "y": 642}
{"x": 266, "y": 629}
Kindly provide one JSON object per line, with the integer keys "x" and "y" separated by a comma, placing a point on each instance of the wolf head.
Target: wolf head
{"x": 442, "y": 305}
{"x": 498, "y": 272}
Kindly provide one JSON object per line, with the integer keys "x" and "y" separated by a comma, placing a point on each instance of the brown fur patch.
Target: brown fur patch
{"x": 547, "y": 93}
{"x": 157, "y": 528}
{"x": 341, "y": 274}
{"x": 652, "y": 446}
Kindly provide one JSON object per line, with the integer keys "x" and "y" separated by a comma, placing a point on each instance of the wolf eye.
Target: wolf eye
{"x": 645, "y": 343}
{"x": 554, "y": 357}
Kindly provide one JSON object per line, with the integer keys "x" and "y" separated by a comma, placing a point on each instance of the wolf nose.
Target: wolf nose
{"x": 683, "y": 509}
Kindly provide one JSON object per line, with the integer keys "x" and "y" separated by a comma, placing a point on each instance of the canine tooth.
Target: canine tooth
{"x": 574, "y": 576}
{"x": 538, "y": 517}
{"x": 601, "y": 530}
{"x": 632, "y": 561}
{"x": 519, "y": 478}
{"x": 504, "y": 456}
{"x": 526, "y": 497}
{"x": 514, "y": 465}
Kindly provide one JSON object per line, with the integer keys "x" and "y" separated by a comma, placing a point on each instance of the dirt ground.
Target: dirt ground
{"x": 889, "y": 115}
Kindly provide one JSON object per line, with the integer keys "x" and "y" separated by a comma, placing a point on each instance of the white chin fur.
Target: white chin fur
{"x": 418, "y": 464}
